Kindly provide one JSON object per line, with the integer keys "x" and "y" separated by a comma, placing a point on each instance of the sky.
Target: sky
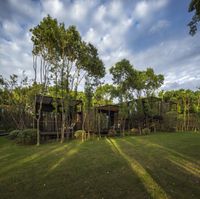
{"x": 149, "y": 33}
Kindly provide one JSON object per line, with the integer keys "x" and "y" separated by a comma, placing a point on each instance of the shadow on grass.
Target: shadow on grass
{"x": 149, "y": 183}
{"x": 177, "y": 173}
{"x": 189, "y": 164}
{"x": 38, "y": 154}
{"x": 165, "y": 149}
{"x": 71, "y": 150}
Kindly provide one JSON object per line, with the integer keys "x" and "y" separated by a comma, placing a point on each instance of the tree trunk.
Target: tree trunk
{"x": 56, "y": 126}
{"x": 38, "y": 121}
{"x": 63, "y": 127}
{"x": 99, "y": 122}
{"x": 184, "y": 114}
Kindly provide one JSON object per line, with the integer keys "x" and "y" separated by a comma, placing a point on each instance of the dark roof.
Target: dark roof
{"x": 48, "y": 100}
{"x": 115, "y": 107}
{"x": 109, "y": 107}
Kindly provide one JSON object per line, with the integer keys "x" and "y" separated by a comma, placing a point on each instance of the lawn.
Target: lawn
{"x": 163, "y": 165}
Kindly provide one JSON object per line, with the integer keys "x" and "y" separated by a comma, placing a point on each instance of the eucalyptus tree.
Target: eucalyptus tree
{"x": 44, "y": 40}
{"x": 152, "y": 82}
{"x": 95, "y": 72}
{"x": 131, "y": 86}
{"x": 121, "y": 73}
{"x": 184, "y": 104}
{"x": 79, "y": 60}
{"x": 103, "y": 94}
{"x": 62, "y": 50}
{"x": 196, "y": 108}
{"x": 88, "y": 90}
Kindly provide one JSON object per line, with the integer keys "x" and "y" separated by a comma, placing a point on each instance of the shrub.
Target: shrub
{"x": 111, "y": 132}
{"x": 27, "y": 136}
{"x": 80, "y": 134}
{"x": 127, "y": 133}
{"x": 13, "y": 134}
{"x": 146, "y": 131}
{"x": 134, "y": 131}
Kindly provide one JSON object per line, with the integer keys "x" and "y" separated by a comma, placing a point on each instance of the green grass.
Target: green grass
{"x": 155, "y": 166}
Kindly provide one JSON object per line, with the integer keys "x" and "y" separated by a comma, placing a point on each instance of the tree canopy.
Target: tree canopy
{"x": 194, "y": 6}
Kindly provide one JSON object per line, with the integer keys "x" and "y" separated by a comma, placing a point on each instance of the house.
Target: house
{"x": 108, "y": 117}
{"x": 50, "y": 122}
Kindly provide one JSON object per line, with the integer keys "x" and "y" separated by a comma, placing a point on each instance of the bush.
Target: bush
{"x": 27, "y": 136}
{"x": 80, "y": 134}
{"x": 146, "y": 131}
{"x": 111, "y": 132}
{"x": 13, "y": 134}
{"x": 134, "y": 131}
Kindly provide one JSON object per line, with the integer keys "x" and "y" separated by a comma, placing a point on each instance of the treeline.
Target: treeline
{"x": 62, "y": 61}
{"x": 177, "y": 110}
{"x": 184, "y": 109}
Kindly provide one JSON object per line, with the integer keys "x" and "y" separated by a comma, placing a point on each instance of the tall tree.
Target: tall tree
{"x": 44, "y": 51}
{"x": 121, "y": 73}
{"x": 103, "y": 94}
{"x": 71, "y": 59}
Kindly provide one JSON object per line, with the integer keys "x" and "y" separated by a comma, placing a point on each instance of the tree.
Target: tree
{"x": 152, "y": 82}
{"x": 121, "y": 73}
{"x": 184, "y": 106}
{"x": 194, "y": 6}
{"x": 103, "y": 94}
{"x": 69, "y": 58}
{"x": 89, "y": 90}
{"x": 14, "y": 101}
{"x": 44, "y": 50}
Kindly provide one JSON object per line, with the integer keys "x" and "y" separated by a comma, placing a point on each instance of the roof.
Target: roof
{"x": 109, "y": 107}
{"x": 48, "y": 100}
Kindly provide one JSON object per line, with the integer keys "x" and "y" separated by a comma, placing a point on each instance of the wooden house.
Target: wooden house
{"x": 109, "y": 117}
{"x": 49, "y": 125}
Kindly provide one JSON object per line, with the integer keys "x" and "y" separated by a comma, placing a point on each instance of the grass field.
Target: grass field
{"x": 155, "y": 166}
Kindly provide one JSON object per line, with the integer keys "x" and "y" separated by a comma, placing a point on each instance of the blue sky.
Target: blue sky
{"x": 150, "y": 33}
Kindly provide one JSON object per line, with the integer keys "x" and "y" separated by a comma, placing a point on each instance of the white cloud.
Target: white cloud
{"x": 144, "y": 8}
{"x": 113, "y": 27}
{"x": 14, "y": 58}
{"x": 24, "y": 9}
{"x": 79, "y": 11}
{"x": 178, "y": 59}
{"x": 53, "y": 7}
{"x": 92, "y": 36}
{"x": 141, "y": 9}
{"x": 115, "y": 9}
{"x": 11, "y": 28}
{"x": 100, "y": 14}
{"x": 160, "y": 25}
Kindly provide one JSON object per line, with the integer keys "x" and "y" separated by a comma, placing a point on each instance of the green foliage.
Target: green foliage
{"x": 194, "y": 6}
{"x": 79, "y": 134}
{"x": 104, "y": 94}
{"x": 121, "y": 71}
{"x": 186, "y": 107}
{"x": 146, "y": 131}
{"x": 134, "y": 131}
{"x": 27, "y": 136}
{"x": 68, "y": 58}
{"x": 13, "y": 134}
{"x": 170, "y": 121}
